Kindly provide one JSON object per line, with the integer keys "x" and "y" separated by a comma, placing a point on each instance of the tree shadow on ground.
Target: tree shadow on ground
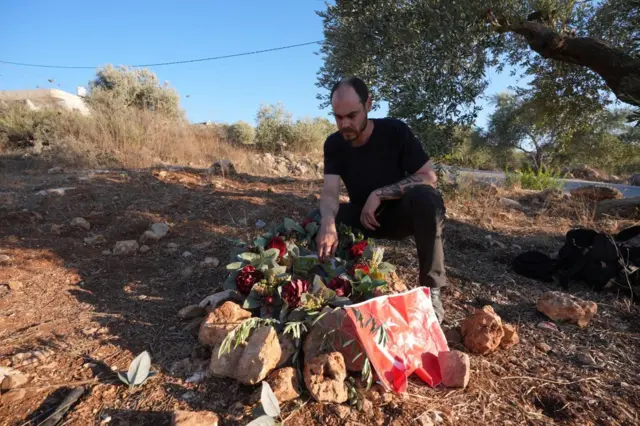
{"x": 131, "y": 301}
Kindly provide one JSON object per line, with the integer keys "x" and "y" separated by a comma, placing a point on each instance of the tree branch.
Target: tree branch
{"x": 619, "y": 69}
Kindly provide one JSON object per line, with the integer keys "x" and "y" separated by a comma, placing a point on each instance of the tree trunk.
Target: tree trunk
{"x": 620, "y": 70}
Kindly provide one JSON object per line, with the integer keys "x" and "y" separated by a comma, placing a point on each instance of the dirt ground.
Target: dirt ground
{"x": 88, "y": 313}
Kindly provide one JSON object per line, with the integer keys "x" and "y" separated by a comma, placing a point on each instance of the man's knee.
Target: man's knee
{"x": 425, "y": 200}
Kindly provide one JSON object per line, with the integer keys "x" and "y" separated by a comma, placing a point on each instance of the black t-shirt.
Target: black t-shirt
{"x": 391, "y": 154}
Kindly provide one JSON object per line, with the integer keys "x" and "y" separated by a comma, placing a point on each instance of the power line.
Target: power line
{"x": 291, "y": 46}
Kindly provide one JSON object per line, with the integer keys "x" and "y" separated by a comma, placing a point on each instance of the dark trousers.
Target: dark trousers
{"x": 419, "y": 213}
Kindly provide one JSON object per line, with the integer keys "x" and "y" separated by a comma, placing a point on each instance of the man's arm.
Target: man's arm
{"x": 327, "y": 238}
{"x": 426, "y": 175}
{"x": 329, "y": 199}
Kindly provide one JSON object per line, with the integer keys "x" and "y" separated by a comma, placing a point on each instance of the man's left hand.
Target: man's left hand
{"x": 368, "y": 213}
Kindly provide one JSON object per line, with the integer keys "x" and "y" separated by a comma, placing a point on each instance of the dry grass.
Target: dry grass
{"x": 119, "y": 138}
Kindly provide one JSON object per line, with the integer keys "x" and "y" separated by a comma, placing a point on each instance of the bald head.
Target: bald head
{"x": 351, "y": 104}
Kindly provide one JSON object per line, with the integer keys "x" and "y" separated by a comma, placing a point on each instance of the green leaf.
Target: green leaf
{"x": 269, "y": 401}
{"x": 252, "y": 302}
{"x": 139, "y": 369}
{"x": 320, "y": 289}
{"x": 289, "y": 224}
{"x": 386, "y": 268}
{"x": 260, "y": 241}
{"x": 340, "y": 301}
{"x": 312, "y": 228}
{"x": 262, "y": 421}
{"x": 378, "y": 254}
{"x": 248, "y": 256}
{"x": 303, "y": 264}
{"x": 123, "y": 378}
{"x": 271, "y": 254}
{"x": 233, "y": 266}
{"x": 230, "y": 281}
{"x": 368, "y": 252}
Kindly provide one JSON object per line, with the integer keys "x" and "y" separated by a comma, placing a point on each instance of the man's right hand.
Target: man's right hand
{"x": 327, "y": 241}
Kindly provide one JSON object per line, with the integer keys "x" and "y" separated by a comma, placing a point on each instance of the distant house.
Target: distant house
{"x": 37, "y": 99}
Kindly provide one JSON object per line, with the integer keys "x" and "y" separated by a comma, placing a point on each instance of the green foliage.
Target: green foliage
{"x": 118, "y": 88}
{"x": 276, "y": 129}
{"x": 21, "y": 127}
{"x": 270, "y": 406}
{"x": 428, "y": 59}
{"x": 241, "y": 133}
{"x": 241, "y": 333}
{"x": 138, "y": 371}
{"x": 538, "y": 180}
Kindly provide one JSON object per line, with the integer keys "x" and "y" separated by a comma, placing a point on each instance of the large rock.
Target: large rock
{"x": 482, "y": 331}
{"x": 586, "y": 173}
{"x": 11, "y": 379}
{"x": 194, "y": 418}
{"x": 635, "y": 180}
{"x": 259, "y": 357}
{"x": 325, "y": 377}
{"x": 213, "y": 301}
{"x": 596, "y": 193}
{"x": 284, "y": 383}
{"x": 627, "y": 208}
{"x": 221, "y": 322}
{"x": 227, "y": 364}
{"x": 330, "y": 334}
{"x": 455, "y": 369}
{"x": 125, "y": 247}
{"x": 565, "y": 307}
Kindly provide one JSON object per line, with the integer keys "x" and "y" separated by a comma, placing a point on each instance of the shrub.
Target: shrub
{"x": 241, "y": 133}
{"x": 21, "y": 127}
{"x": 119, "y": 88}
{"x": 530, "y": 179}
{"x": 274, "y": 125}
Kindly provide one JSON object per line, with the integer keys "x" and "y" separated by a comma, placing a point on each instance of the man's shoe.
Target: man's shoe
{"x": 437, "y": 304}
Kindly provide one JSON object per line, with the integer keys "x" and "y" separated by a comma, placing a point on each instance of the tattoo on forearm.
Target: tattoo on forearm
{"x": 396, "y": 190}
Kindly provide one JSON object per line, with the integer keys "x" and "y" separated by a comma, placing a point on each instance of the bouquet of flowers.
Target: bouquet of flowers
{"x": 282, "y": 278}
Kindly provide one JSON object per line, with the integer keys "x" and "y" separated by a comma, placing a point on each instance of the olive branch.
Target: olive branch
{"x": 240, "y": 333}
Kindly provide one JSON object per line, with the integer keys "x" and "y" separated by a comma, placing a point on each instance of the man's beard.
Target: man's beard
{"x": 350, "y": 134}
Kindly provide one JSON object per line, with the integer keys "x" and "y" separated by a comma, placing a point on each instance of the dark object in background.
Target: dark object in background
{"x": 535, "y": 265}
{"x": 593, "y": 257}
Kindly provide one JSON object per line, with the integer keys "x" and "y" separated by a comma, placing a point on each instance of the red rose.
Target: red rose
{"x": 357, "y": 250}
{"x": 341, "y": 286}
{"x": 359, "y": 266}
{"x": 268, "y": 300}
{"x": 306, "y": 221}
{"x": 292, "y": 292}
{"x": 247, "y": 278}
{"x": 278, "y": 242}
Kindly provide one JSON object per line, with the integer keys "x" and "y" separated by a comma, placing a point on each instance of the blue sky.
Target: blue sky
{"x": 134, "y": 32}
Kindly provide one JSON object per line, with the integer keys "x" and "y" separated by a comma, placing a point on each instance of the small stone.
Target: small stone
{"x": 210, "y": 262}
{"x": 436, "y": 417}
{"x": 509, "y": 204}
{"x": 341, "y": 411}
{"x": 106, "y": 252}
{"x": 547, "y": 325}
{"x": 188, "y": 395}
{"x": 455, "y": 369}
{"x": 453, "y": 336}
{"x": 148, "y": 236}
{"x": 284, "y": 383}
{"x": 425, "y": 420}
{"x": 95, "y": 240}
{"x": 55, "y": 171}
{"x": 191, "y": 311}
{"x": 510, "y": 337}
{"x": 543, "y": 347}
{"x": 186, "y": 254}
{"x": 144, "y": 249}
{"x": 213, "y": 301}
{"x": 586, "y": 359}
{"x": 13, "y": 395}
{"x": 482, "y": 331}
{"x": 325, "y": 377}
{"x": 186, "y": 272}
{"x": 160, "y": 229}
{"x": 56, "y": 229}
{"x": 13, "y": 381}
{"x": 565, "y": 307}
{"x": 125, "y": 247}
{"x": 15, "y": 285}
{"x": 4, "y": 259}
{"x": 80, "y": 222}
{"x": 194, "y": 418}
{"x": 172, "y": 245}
